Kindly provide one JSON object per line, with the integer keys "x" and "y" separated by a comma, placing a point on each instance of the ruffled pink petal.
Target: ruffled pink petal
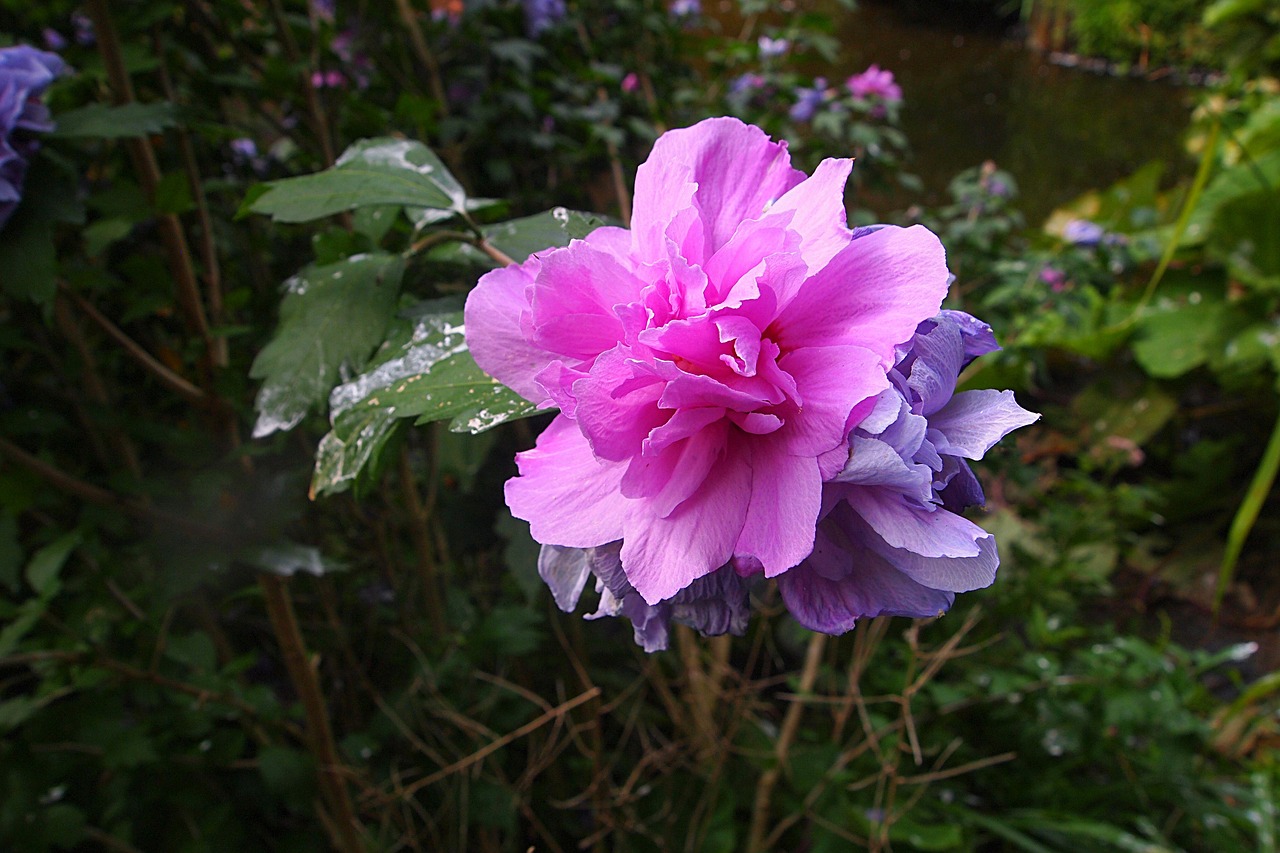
{"x": 661, "y": 556}
{"x": 616, "y": 409}
{"x": 786, "y": 495}
{"x": 666, "y": 480}
{"x": 873, "y": 294}
{"x": 569, "y": 497}
{"x": 494, "y": 334}
{"x": 831, "y": 381}
{"x": 573, "y": 299}
{"x": 737, "y": 169}
{"x": 819, "y": 213}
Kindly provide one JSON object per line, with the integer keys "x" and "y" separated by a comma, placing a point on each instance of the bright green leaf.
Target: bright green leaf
{"x": 520, "y": 238}
{"x": 331, "y": 316}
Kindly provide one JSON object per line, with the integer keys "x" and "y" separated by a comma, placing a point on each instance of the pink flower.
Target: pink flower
{"x": 874, "y": 83}
{"x": 709, "y": 364}
{"x": 630, "y": 83}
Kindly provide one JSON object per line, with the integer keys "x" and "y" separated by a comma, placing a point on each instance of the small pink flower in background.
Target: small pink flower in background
{"x": 327, "y": 79}
{"x": 874, "y": 84}
{"x": 1055, "y": 278}
{"x": 710, "y": 366}
{"x": 630, "y": 83}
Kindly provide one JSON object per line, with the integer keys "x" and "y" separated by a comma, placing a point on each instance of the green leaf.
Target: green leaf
{"x": 42, "y": 571}
{"x": 27, "y": 254}
{"x": 372, "y": 172}
{"x": 103, "y": 121}
{"x": 1175, "y": 337}
{"x": 332, "y": 316}
{"x": 424, "y": 372}
{"x": 1245, "y": 235}
{"x": 520, "y": 238}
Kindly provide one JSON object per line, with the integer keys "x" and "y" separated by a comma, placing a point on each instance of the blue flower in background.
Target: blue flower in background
{"x": 809, "y": 100}
{"x": 1082, "y": 232}
{"x": 540, "y": 15}
{"x": 25, "y": 73}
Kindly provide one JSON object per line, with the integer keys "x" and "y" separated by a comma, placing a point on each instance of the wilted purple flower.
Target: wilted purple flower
{"x": 25, "y": 73}
{"x": 540, "y": 15}
{"x": 1082, "y": 232}
{"x": 890, "y": 540}
{"x": 771, "y": 47}
{"x": 874, "y": 84}
{"x": 631, "y": 82}
{"x": 809, "y": 100}
{"x": 686, "y": 8}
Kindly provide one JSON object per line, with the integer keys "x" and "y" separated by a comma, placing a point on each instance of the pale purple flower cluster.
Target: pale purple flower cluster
{"x": 746, "y": 387}
{"x": 686, "y": 8}
{"x": 771, "y": 48}
{"x": 1082, "y": 232}
{"x": 25, "y": 73}
{"x": 874, "y": 84}
{"x": 541, "y": 15}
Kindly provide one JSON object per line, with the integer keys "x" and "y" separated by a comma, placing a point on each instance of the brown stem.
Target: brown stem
{"x": 419, "y": 530}
{"x": 94, "y": 387}
{"x": 319, "y": 123}
{"x": 135, "y": 350}
{"x": 148, "y": 173}
{"x": 333, "y": 786}
{"x": 423, "y": 51}
{"x": 786, "y": 736}
{"x": 93, "y": 494}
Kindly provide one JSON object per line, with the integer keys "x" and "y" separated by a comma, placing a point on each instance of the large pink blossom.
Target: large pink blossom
{"x": 709, "y": 364}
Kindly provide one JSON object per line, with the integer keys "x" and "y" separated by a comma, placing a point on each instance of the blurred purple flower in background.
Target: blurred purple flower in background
{"x": 631, "y": 82}
{"x": 25, "y": 72}
{"x": 325, "y": 9}
{"x": 748, "y": 82}
{"x": 809, "y": 100}
{"x": 83, "y": 26}
{"x": 1082, "y": 232}
{"x": 686, "y": 8}
{"x": 771, "y": 47}
{"x": 1055, "y": 278}
{"x": 540, "y": 15}
{"x": 874, "y": 84}
{"x": 358, "y": 65}
{"x": 244, "y": 148}
{"x": 327, "y": 79}
{"x": 746, "y": 387}
{"x": 53, "y": 39}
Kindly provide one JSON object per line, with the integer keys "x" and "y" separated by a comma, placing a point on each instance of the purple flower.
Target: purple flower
{"x": 25, "y": 73}
{"x": 83, "y": 25}
{"x": 244, "y": 148}
{"x": 1083, "y": 232}
{"x": 809, "y": 100}
{"x": 327, "y": 79}
{"x": 324, "y": 9}
{"x": 890, "y": 540}
{"x": 686, "y": 9}
{"x": 630, "y": 83}
{"x": 53, "y": 39}
{"x": 1055, "y": 278}
{"x": 874, "y": 84}
{"x": 541, "y": 15}
{"x": 358, "y": 65}
{"x": 748, "y": 82}
{"x": 771, "y": 47}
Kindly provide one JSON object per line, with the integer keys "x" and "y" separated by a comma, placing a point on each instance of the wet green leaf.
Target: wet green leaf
{"x": 371, "y": 173}
{"x": 331, "y": 316}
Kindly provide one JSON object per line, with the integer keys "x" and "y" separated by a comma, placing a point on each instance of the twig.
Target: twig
{"x": 423, "y": 51}
{"x": 790, "y": 725}
{"x": 345, "y": 828}
{"x": 172, "y": 380}
{"x": 486, "y": 751}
